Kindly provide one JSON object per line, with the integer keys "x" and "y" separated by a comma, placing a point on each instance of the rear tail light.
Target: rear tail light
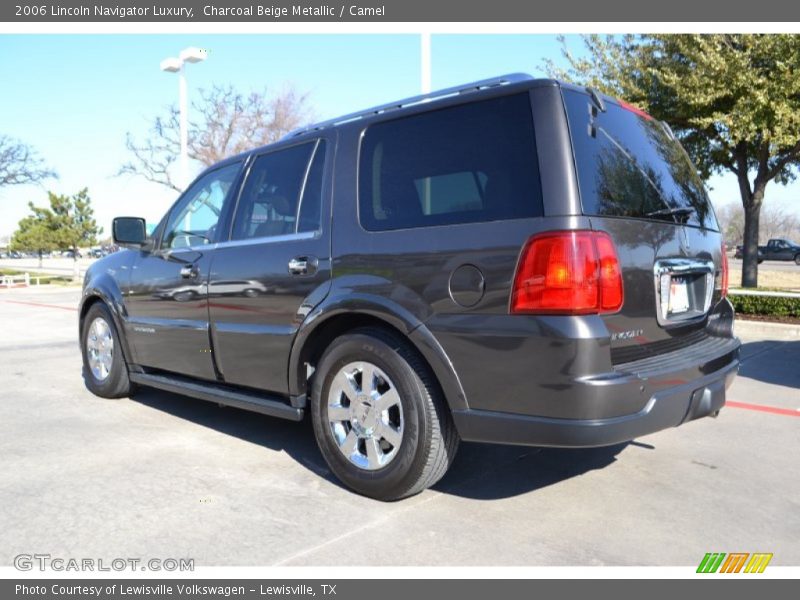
{"x": 724, "y": 274}
{"x": 568, "y": 272}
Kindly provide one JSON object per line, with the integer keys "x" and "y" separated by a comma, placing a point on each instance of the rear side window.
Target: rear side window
{"x": 629, "y": 165}
{"x": 465, "y": 164}
{"x": 282, "y": 194}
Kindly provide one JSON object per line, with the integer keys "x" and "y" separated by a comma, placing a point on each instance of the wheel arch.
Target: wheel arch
{"x": 105, "y": 290}
{"x": 327, "y": 323}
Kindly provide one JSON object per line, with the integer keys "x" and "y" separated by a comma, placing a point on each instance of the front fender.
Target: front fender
{"x": 102, "y": 284}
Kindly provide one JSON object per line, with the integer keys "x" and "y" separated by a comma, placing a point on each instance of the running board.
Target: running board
{"x": 273, "y": 406}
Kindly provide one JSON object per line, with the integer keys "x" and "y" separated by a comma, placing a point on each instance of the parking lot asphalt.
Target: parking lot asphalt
{"x": 161, "y": 475}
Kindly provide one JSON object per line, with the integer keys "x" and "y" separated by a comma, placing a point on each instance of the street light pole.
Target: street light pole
{"x": 425, "y": 85}
{"x": 183, "y": 110}
{"x": 178, "y": 65}
{"x": 425, "y": 67}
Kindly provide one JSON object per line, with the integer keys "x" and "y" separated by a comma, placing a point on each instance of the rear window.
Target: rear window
{"x": 630, "y": 166}
{"x": 465, "y": 164}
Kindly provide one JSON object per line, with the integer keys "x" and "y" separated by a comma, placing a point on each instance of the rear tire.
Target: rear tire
{"x": 379, "y": 417}
{"x": 797, "y": 259}
{"x": 105, "y": 372}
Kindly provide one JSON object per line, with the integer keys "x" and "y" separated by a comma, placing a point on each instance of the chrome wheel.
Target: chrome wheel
{"x": 365, "y": 415}
{"x": 100, "y": 348}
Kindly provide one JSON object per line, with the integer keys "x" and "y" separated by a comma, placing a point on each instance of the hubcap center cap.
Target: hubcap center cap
{"x": 364, "y": 415}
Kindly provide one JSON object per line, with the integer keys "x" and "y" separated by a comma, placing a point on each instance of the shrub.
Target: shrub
{"x": 780, "y": 306}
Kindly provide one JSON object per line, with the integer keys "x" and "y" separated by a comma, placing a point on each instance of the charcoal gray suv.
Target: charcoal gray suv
{"x": 514, "y": 261}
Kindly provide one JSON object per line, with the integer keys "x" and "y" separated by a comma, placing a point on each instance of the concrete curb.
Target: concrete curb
{"x": 766, "y": 330}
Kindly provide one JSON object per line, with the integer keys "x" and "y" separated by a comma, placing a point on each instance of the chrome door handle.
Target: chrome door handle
{"x": 188, "y": 272}
{"x": 303, "y": 265}
{"x": 298, "y": 266}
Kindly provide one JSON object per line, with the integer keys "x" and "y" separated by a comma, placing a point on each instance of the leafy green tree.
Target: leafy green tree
{"x": 74, "y": 218}
{"x": 732, "y": 99}
{"x": 67, "y": 224}
{"x": 36, "y": 232}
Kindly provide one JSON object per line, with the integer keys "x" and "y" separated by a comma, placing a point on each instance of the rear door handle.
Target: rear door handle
{"x": 303, "y": 265}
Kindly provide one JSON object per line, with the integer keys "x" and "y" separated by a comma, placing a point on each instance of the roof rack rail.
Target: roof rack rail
{"x": 436, "y": 95}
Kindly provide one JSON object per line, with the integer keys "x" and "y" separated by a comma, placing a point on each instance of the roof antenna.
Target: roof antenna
{"x": 595, "y": 96}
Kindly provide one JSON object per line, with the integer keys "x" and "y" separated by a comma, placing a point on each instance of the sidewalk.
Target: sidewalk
{"x": 765, "y": 330}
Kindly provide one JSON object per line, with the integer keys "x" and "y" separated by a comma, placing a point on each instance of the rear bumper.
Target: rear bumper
{"x": 668, "y": 407}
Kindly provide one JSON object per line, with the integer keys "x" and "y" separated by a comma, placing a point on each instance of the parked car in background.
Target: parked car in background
{"x": 780, "y": 249}
{"x": 739, "y": 254}
{"x": 511, "y": 261}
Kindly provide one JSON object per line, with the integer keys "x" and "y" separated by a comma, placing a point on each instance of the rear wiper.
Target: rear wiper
{"x": 681, "y": 211}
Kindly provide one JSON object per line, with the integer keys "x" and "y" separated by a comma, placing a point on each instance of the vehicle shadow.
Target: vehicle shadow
{"x": 296, "y": 439}
{"x": 491, "y": 472}
{"x": 771, "y": 361}
{"x": 480, "y": 471}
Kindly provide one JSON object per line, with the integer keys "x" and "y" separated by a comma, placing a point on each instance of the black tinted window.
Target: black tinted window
{"x": 271, "y": 196}
{"x": 630, "y": 166}
{"x": 473, "y": 162}
{"x": 311, "y": 205}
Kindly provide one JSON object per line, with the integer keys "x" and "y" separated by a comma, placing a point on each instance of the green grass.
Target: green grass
{"x": 43, "y": 279}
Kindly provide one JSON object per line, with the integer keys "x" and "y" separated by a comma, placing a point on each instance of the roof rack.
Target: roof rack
{"x": 438, "y": 94}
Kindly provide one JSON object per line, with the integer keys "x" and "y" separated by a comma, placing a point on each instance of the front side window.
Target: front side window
{"x": 465, "y": 164}
{"x": 282, "y": 194}
{"x": 193, "y": 221}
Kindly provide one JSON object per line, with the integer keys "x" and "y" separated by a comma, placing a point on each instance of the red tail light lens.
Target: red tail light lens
{"x": 724, "y": 274}
{"x": 568, "y": 272}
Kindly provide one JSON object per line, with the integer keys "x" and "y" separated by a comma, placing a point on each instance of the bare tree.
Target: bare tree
{"x": 731, "y": 223}
{"x": 226, "y": 122}
{"x": 20, "y": 164}
{"x": 777, "y": 222}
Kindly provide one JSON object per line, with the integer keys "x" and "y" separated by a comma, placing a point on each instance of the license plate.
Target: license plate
{"x": 678, "y": 296}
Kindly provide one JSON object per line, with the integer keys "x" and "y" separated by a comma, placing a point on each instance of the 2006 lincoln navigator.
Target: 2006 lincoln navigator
{"x": 515, "y": 261}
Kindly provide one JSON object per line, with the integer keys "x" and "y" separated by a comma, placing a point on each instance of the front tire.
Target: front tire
{"x": 105, "y": 372}
{"x": 379, "y": 417}
{"x": 797, "y": 259}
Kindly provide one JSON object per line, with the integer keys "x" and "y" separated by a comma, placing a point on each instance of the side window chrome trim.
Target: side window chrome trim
{"x": 289, "y": 237}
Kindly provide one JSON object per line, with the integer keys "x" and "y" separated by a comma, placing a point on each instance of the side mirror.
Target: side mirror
{"x": 129, "y": 231}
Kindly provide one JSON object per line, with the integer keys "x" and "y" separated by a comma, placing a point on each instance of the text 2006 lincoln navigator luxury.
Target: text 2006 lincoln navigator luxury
{"x": 515, "y": 261}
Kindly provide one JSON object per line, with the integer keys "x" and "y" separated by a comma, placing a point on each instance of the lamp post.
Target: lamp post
{"x": 178, "y": 65}
{"x": 425, "y": 66}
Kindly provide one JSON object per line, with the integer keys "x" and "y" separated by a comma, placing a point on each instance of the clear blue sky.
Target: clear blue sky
{"x": 74, "y": 97}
